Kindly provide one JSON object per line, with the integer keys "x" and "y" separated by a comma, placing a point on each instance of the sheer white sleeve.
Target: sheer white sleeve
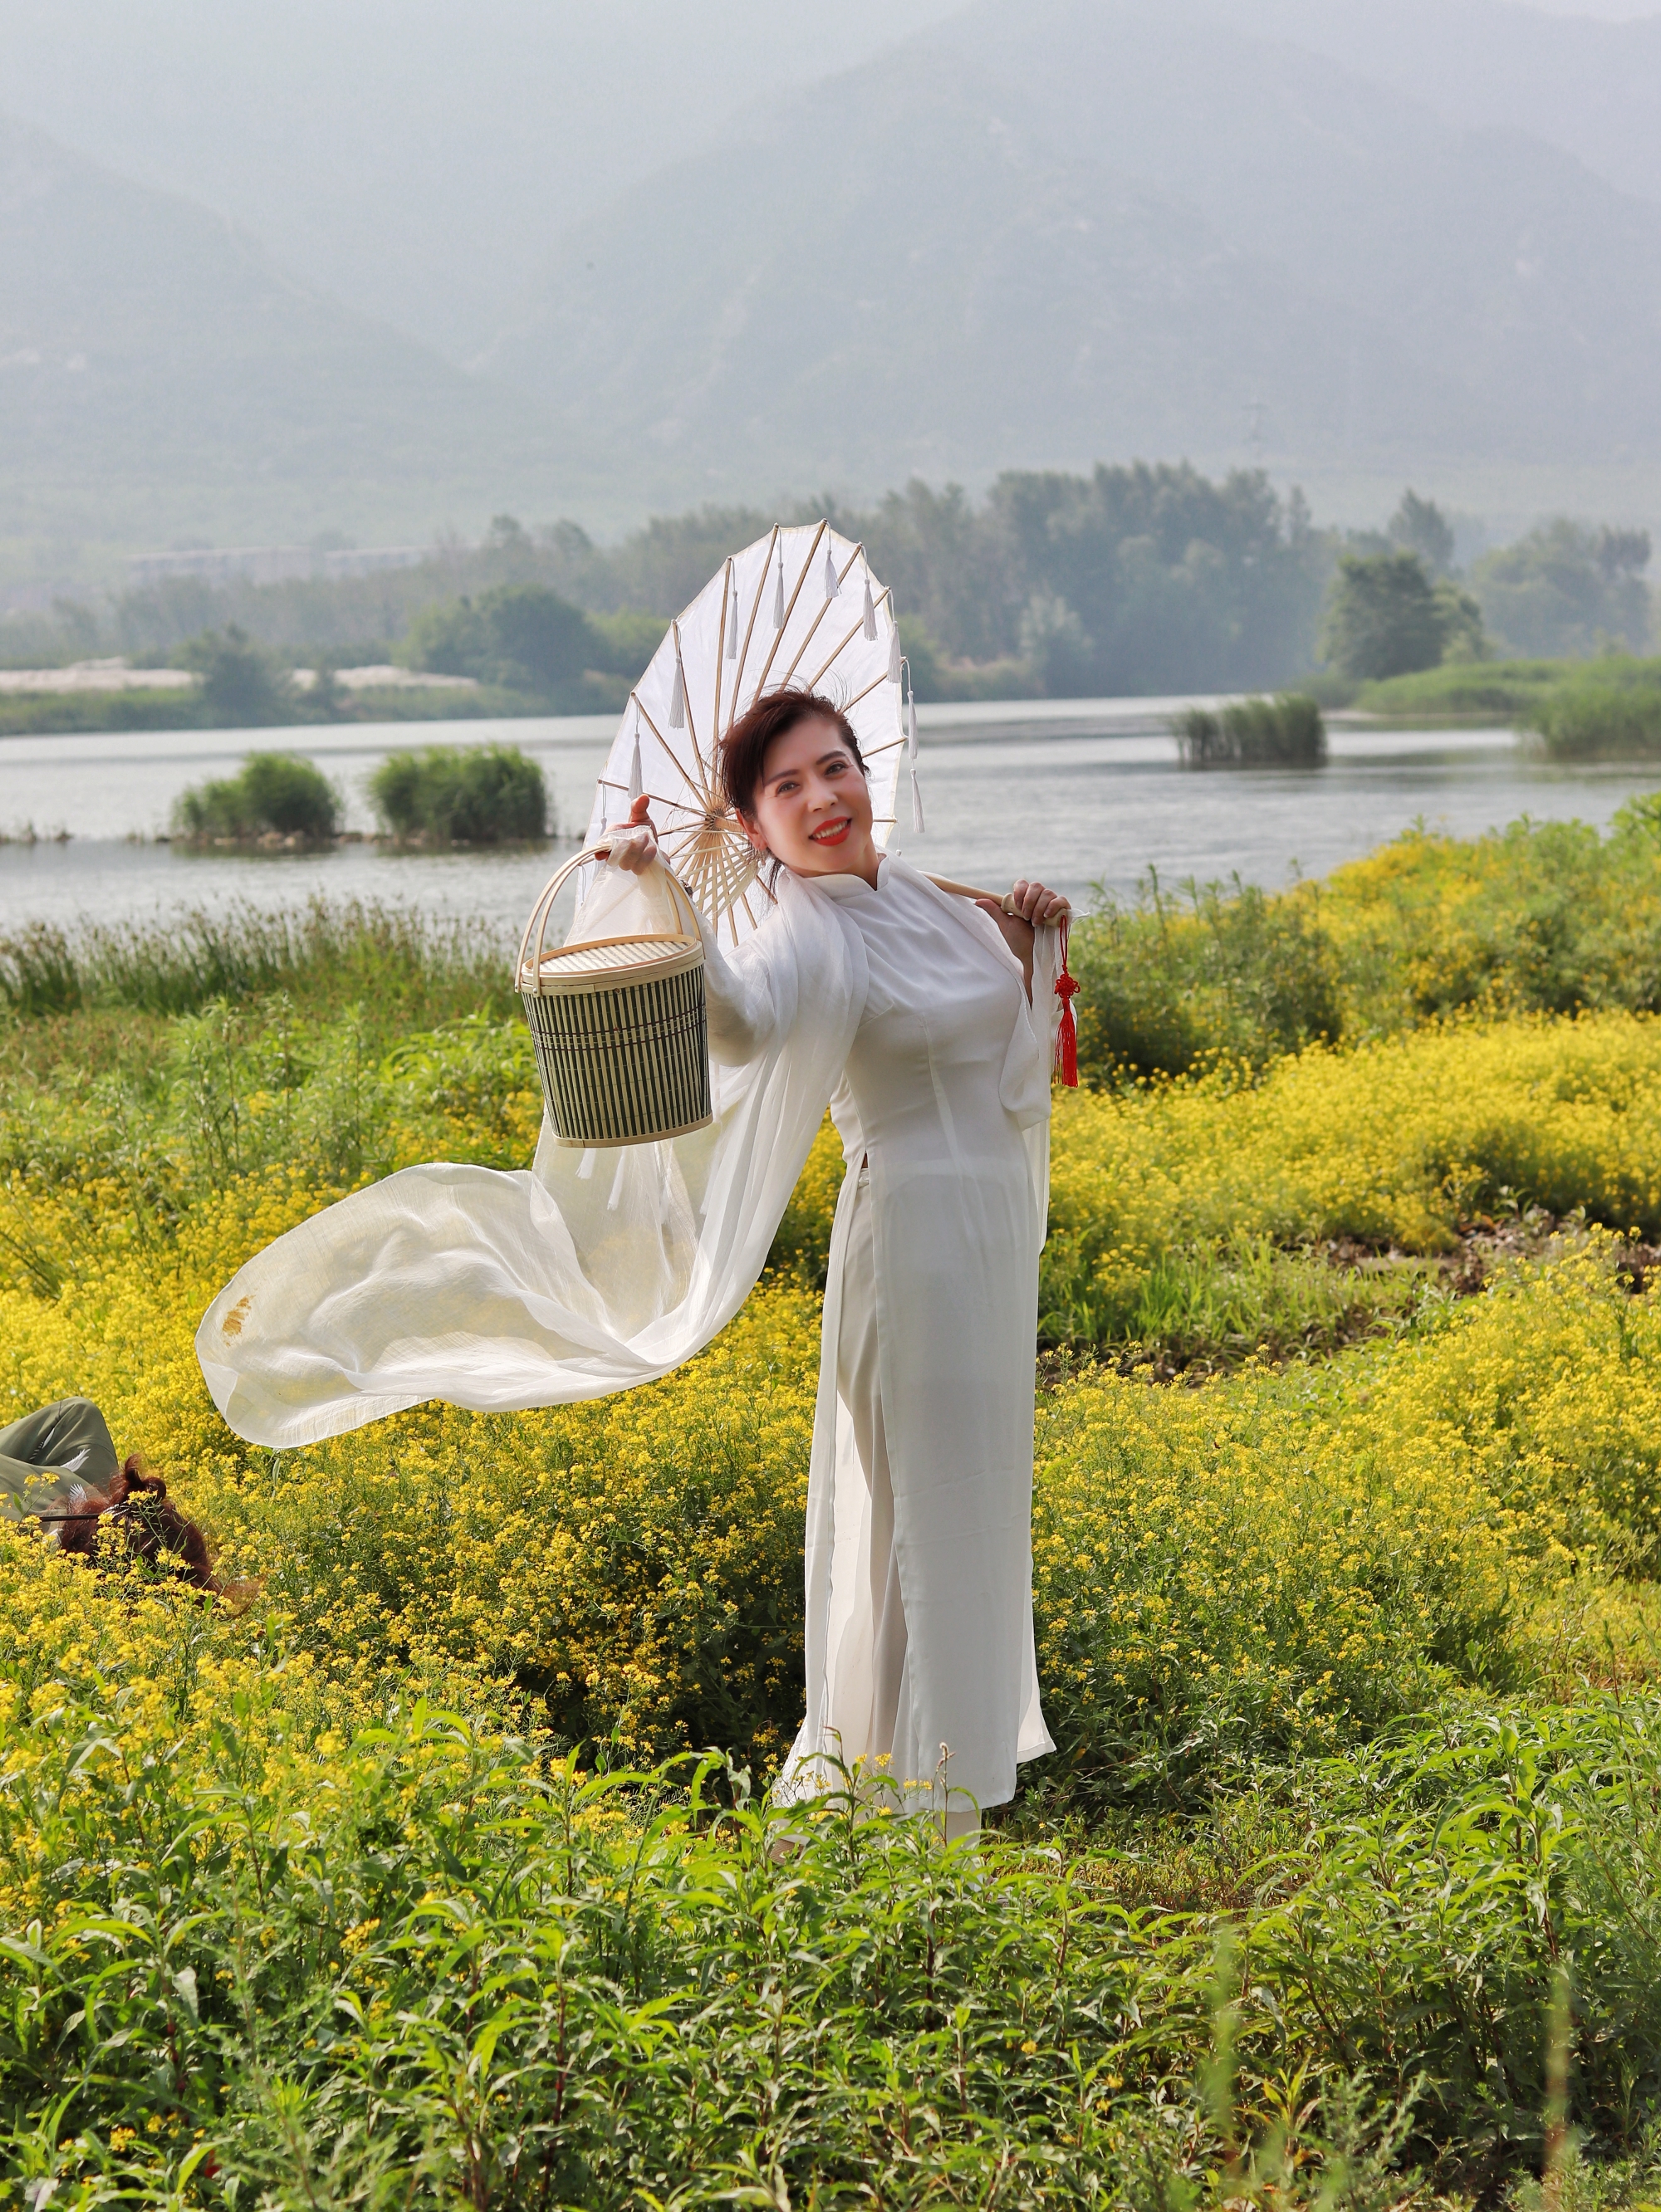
{"x": 585, "y": 1273}
{"x": 751, "y": 1003}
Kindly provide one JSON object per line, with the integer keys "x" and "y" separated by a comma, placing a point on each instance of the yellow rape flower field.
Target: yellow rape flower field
{"x": 402, "y": 1874}
{"x": 635, "y": 1563}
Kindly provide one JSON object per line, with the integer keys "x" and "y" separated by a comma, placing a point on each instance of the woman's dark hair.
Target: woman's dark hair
{"x": 775, "y": 715}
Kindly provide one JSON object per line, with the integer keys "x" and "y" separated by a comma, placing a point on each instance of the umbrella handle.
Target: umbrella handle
{"x": 1004, "y": 901}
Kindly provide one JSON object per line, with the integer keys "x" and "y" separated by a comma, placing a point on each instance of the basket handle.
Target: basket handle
{"x": 530, "y": 965}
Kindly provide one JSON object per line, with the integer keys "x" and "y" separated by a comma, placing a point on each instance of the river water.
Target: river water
{"x": 1084, "y": 793}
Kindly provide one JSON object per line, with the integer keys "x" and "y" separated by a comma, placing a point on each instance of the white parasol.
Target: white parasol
{"x": 800, "y": 607}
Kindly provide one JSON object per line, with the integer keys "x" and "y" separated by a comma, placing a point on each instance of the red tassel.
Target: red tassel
{"x": 1067, "y": 1037}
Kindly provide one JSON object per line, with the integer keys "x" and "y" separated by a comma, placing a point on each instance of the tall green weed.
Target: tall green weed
{"x": 1540, "y": 917}
{"x": 398, "y": 963}
{"x": 1596, "y": 719}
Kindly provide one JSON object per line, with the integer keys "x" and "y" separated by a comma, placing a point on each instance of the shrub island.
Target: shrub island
{"x": 448, "y": 795}
{"x": 1285, "y": 732}
{"x": 444, "y": 796}
{"x": 276, "y": 801}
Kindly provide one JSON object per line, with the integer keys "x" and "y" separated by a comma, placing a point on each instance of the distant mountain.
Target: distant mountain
{"x": 416, "y": 160}
{"x": 1591, "y": 89}
{"x": 414, "y": 157}
{"x": 1093, "y": 226}
{"x": 151, "y": 356}
{"x": 1499, "y": 258}
{"x": 1306, "y": 231}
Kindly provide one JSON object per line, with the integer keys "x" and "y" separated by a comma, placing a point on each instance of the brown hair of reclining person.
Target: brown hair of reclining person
{"x": 150, "y": 1523}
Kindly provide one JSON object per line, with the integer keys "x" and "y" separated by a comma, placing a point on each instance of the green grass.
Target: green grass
{"x": 391, "y": 963}
{"x": 596, "y": 692}
{"x": 1535, "y": 694}
{"x": 1609, "y": 715}
{"x": 49, "y": 713}
{"x": 1477, "y": 690}
{"x": 1177, "y": 977}
{"x": 420, "y": 1962}
{"x": 52, "y": 713}
{"x": 1206, "y": 1307}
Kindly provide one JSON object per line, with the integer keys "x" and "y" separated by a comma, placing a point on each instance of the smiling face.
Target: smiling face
{"x": 812, "y": 806}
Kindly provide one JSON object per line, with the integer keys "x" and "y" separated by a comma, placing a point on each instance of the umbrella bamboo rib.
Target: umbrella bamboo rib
{"x": 657, "y": 798}
{"x": 812, "y": 626}
{"x": 729, "y": 592}
{"x": 749, "y": 627}
{"x": 814, "y": 681}
{"x": 818, "y": 677}
{"x": 791, "y": 609}
{"x": 866, "y": 693}
{"x": 692, "y": 782}
{"x": 687, "y": 702}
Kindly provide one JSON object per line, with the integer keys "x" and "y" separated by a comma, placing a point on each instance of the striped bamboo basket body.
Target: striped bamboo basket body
{"x": 620, "y": 1031}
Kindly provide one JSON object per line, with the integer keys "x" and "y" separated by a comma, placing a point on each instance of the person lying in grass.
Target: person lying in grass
{"x": 59, "y": 1465}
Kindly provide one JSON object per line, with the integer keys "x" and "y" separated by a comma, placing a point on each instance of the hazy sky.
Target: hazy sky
{"x": 418, "y": 157}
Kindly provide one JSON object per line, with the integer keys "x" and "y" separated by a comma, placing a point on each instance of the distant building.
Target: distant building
{"x": 270, "y": 564}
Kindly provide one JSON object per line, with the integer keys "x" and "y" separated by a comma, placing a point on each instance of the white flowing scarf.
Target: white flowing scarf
{"x": 587, "y": 1273}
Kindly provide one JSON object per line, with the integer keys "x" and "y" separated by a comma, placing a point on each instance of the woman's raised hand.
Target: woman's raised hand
{"x": 1028, "y": 907}
{"x": 633, "y": 844}
{"x": 1034, "y": 904}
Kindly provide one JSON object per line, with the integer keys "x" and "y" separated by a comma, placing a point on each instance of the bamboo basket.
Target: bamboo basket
{"x": 619, "y": 1026}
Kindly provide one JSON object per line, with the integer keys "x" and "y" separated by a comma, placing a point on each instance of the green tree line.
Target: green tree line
{"x": 1144, "y": 579}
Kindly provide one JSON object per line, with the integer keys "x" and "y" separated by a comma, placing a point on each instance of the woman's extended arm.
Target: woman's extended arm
{"x": 739, "y": 994}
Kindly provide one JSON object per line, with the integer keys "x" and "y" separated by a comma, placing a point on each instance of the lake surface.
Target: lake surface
{"x": 1082, "y": 792}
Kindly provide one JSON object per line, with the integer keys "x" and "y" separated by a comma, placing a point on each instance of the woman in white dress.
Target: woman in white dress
{"x": 920, "y": 1666}
{"x": 926, "y": 1022}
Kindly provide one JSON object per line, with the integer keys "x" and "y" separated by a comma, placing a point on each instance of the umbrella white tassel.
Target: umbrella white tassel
{"x": 870, "y": 611}
{"x": 911, "y": 753}
{"x": 637, "y": 778}
{"x": 778, "y": 595}
{"x": 894, "y": 656}
{"x": 732, "y": 614}
{"x": 677, "y": 701}
{"x": 832, "y": 588}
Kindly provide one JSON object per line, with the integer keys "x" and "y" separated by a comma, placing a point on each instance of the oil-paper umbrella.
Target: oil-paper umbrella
{"x": 800, "y": 607}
